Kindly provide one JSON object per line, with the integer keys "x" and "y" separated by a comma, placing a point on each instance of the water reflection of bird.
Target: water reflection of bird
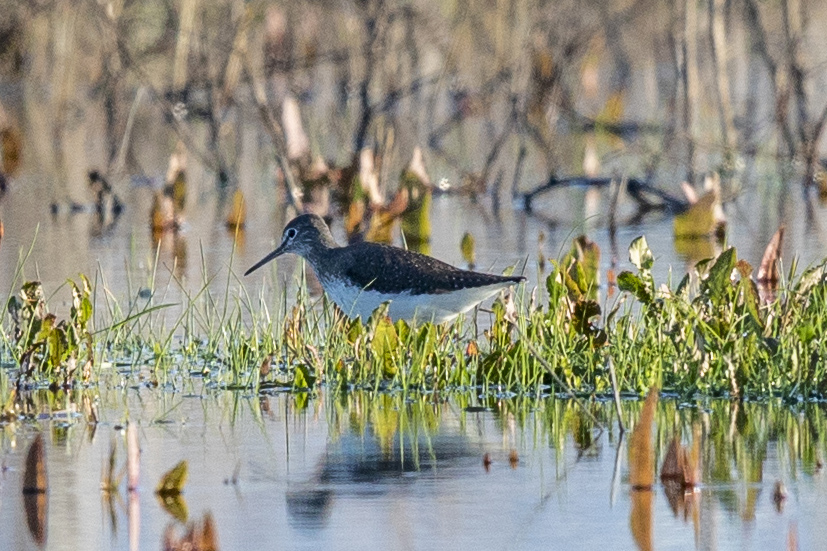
{"x": 356, "y": 466}
{"x": 361, "y": 277}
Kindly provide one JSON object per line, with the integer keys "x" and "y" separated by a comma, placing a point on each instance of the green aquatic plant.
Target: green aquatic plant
{"x": 43, "y": 344}
{"x": 718, "y": 332}
{"x": 714, "y": 334}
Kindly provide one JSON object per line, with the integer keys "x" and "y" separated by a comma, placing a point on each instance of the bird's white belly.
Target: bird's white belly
{"x": 355, "y": 301}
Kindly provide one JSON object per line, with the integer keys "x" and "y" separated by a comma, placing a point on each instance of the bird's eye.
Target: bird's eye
{"x": 291, "y": 233}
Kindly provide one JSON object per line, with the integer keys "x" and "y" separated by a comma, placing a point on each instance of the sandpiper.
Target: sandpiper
{"x": 361, "y": 277}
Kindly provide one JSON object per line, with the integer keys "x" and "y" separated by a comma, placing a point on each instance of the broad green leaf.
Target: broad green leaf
{"x": 554, "y": 284}
{"x": 302, "y": 378}
{"x": 379, "y": 315}
{"x": 718, "y": 280}
{"x": 46, "y": 328}
{"x": 299, "y": 380}
{"x": 301, "y": 399}
{"x": 355, "y": 330}
{"x": 640, "y": 254}
{"x": 172, "y": 482}
{"x": 58, "y": 346}
{"x": 806, "y": 332}
{"x": 749, "y": 293}
{"x": 81, "y": 311}
{"x": 702, "y": 267}
{"x": 582, "y": 263}
{"x": 810, "y": 278}
{"x": 572, "y": 286}
{"x": 385, "y": 344}
{"x": 627, "y": 281}
{"x": 403, "y": 330}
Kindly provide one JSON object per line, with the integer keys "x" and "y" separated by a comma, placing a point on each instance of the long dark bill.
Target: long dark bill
{"x": 264, "y": 261}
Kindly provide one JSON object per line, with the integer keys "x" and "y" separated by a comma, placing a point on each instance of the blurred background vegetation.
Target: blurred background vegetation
{"x": 188, "y": 107}
{"x": 494, "y": 89}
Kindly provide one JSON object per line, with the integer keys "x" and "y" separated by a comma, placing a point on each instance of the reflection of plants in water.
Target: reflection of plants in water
{"x": 389, "y": 418}
{"x": 69, "y": 407}
{"x": 35, "y": 486}
{"x": 402, "y": 424}
{"x": 736, "y": 438}
{"x": 199, "y": 536}
{"x": 169, "y": 490}
{"x": 733, "y": 438}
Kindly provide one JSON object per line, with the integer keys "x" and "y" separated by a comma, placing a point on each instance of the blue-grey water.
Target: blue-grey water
{"x": 393, "y": 472}
{"x": 396, "y": 473}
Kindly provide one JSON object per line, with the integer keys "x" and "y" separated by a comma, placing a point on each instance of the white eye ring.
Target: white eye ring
{"x": 291, "y": 233}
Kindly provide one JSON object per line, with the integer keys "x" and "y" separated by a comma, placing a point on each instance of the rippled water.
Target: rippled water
{"x": 337, "y": 472}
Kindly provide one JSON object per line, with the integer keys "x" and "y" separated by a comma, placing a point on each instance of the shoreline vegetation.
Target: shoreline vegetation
{"x": 720, "y": 332}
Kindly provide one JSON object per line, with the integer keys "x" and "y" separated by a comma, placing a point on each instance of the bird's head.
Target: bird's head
{"x": 305, "y": 236}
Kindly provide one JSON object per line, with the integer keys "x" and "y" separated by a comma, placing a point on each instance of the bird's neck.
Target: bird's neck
{"x": 319, "y": 254}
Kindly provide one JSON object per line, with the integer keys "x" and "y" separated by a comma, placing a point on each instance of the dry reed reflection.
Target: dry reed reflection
{"x": 35, "y": 486}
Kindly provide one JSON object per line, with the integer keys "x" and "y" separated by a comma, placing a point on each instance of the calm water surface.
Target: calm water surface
{"x": 124, "y": 259}
{"x": 389, "y": 471}
{"x": 333, "y": 472}
{"x": 339, "y": 472}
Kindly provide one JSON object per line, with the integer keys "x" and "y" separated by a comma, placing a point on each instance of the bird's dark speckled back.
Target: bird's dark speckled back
{"x": 389, "y": 269}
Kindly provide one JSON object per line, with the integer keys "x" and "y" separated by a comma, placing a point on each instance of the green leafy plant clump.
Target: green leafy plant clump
{"x": 44, "y": 345}
{"x": 719, "y": 332}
